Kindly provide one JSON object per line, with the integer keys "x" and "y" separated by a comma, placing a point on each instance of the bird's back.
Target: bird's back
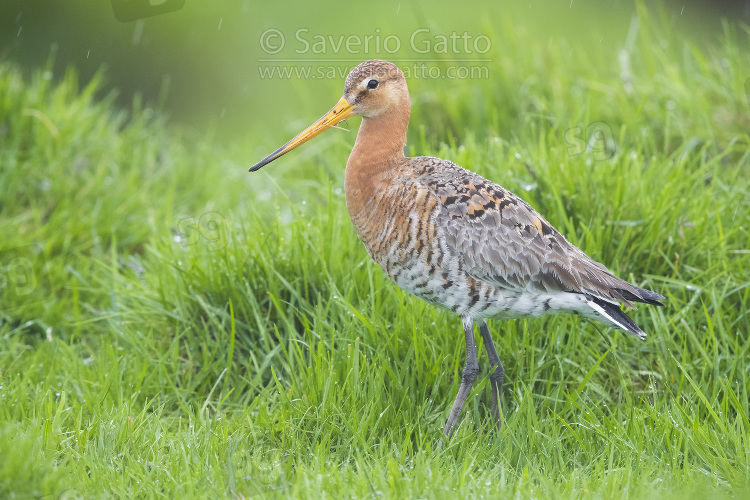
{"x": 462, "y": 242}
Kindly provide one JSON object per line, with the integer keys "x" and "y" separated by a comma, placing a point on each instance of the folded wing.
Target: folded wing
{"x": 502, "y": 240}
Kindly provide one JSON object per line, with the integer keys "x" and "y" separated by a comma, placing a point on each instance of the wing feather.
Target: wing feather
{"x": 502, "y": 240}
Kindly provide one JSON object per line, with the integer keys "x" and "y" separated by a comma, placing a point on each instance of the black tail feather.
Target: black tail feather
{"x": 618, "y": 317}
{"x": 645, "y": 296}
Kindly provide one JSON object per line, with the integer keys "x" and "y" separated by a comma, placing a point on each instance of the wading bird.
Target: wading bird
{"x": 455, "y": 239}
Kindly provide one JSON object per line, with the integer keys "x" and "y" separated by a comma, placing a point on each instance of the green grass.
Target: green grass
{"x": 193, "y": 330}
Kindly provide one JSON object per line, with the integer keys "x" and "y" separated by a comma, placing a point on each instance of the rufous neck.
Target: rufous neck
{"x": 381, "y": 139}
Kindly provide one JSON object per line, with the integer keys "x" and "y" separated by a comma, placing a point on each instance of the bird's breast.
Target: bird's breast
{"x": 396, "y": 224}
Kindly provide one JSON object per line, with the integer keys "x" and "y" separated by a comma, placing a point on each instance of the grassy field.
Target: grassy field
{"x": 172, "y": 326}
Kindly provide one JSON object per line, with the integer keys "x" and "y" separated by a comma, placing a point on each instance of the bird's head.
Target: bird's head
{"x": 371, "y": 89}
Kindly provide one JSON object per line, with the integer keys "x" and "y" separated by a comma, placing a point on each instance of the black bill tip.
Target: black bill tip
{"x": 268, "y": 159}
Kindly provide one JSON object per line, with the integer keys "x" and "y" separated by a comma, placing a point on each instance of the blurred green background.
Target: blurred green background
{"x": 198, "y": 331}
{"x": 203, "y": 63}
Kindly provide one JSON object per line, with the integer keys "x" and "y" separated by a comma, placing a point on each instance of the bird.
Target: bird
{"x": 455, "y": 239}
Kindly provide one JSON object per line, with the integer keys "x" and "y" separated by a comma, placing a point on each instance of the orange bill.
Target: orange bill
{"x": 341, "y": 111}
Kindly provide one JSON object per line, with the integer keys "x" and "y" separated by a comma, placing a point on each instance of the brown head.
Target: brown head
{"x": 372, "y": 89}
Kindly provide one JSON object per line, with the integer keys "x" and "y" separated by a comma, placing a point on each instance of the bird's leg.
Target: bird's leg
{"x": 496, "y": 379}
{"x": 467, "y": 377}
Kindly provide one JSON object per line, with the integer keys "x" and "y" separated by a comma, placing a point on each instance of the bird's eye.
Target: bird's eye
{"x": 372, "y": 84}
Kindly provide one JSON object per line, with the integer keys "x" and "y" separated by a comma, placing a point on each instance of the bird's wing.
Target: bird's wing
{"x": 502, "y": 240}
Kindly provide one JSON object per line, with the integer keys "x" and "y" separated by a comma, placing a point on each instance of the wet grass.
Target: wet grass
{"x": 174, "y": 326}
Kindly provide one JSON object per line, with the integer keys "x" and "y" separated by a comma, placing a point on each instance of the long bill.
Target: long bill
{"x": 341, "y": 111}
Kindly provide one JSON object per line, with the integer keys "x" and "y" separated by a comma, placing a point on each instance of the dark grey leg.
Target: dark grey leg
{"x": 496, "y": 379}
{"x": 467, "y": 377}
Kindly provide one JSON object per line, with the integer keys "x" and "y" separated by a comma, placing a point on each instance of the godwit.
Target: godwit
{"x": 455, "y": 239}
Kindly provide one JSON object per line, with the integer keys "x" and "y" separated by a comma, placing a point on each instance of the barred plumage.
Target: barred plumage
{"x": 454, "y": 238}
